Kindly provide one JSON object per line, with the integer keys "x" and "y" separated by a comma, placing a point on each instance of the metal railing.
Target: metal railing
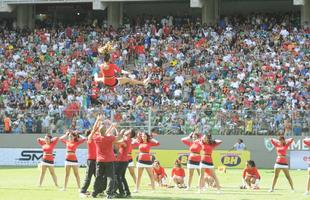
{"x": 167, "y": 121}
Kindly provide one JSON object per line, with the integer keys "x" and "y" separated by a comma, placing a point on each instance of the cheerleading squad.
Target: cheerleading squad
{"x": 110, "y": 155}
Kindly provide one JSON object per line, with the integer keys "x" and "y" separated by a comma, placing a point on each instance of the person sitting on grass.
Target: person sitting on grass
{"x": 178, "y": 175}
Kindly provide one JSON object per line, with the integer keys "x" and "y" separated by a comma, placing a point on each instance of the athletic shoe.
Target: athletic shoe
{"x": 63, "y": 189}
{"x": 127, "y": 195}
{"x": 271, "y": 190}
{"x": 83, "y": 195}
{"x": 135, "y": 191}
{"x": 292, "y": 191}
{"x": 306, "y": 193}
{"x": 119, "y": 196}
{"x": 219, "y": 191}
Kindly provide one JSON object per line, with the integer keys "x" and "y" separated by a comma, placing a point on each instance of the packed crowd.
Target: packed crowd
{"x": 212, "y": 76}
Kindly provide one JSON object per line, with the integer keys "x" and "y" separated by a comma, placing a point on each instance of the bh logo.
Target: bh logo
{"x": 231, "y": 160}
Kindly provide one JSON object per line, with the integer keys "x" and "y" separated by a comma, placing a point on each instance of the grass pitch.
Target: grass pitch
{"x": 21, "y": 184}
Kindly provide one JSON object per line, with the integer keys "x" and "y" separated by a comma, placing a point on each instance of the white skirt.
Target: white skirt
{"x": 279, "y": 166}
{"x": 205, "y": 166}
{"x": 142, "y": 165}
{"x": 192, "y": 166}
{"x": 69, "y": 163}
{"x": 131, "y": 164}
{"x": 46, "y": 164}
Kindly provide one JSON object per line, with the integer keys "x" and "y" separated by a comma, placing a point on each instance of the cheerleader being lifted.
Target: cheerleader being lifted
{"x": 108, "y": 70}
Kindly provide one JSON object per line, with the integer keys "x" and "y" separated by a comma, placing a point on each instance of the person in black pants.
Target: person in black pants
{"x": 104, "y": 141}
{"x": 91, "y": 163}
{"x": 123, "y": 158}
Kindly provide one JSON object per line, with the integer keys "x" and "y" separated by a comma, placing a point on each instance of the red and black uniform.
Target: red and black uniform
{"x": 71, "y": 147}
{"x": 281, "y": 161}
{"x": 145, "y": 157}
{"x": 206, "y": 158}
{"x": 105, "y": 164}
{"x": 123, "y": 158}
{"x": 48, "y": 149}
{"x": 177, "y": 171}
{"x": 159, "y": 172}
{"x": 91, "y": 165}
{"x": 251, "y": 172}
{"x": 108, "y": 72}
{"x": 194, "y": 156}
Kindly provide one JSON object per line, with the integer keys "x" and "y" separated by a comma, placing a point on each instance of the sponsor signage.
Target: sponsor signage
{"x": 299, "y": 159}
{"x": 297, "y": 145}
{"x": 32, "y": 157}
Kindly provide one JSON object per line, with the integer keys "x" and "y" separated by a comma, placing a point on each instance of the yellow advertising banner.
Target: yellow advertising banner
{"x": 229, "y": 159}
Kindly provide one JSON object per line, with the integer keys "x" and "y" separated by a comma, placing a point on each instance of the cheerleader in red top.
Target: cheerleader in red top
{"x": 48, "y": 144}
{"x": 281, "y": 146}
{"x": 207, "y": 146}
{"x": 124, "y": 147}
{"x": 307, "y": 142}
{"x": 131, "y": 165}
{"x": 108, "y": 70}
{"x": 159, "y": 173}
{"x": 71, "y": 160}
{"x": 250, "y": 176}
{"x": 194, "y": 157}
{"x": 178, "y": 175}
{"x": 91, "y": 160}
{"x": 145, "y": 158}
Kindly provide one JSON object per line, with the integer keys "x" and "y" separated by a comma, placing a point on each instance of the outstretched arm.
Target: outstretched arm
{"x": 95, "y": 127}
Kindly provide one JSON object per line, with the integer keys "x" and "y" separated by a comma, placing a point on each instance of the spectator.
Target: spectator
{"x": 239, "y": 146}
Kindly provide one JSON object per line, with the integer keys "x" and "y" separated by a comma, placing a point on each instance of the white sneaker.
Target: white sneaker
{"x": 135, "y": 191}
{"x": 83, "y": 195}
{"x": 199, "y": 191}
{"x": 271, "y": 190}
{"x": 188, "y": 188}
{"x": 306, "y": 193}
{"x": 219, "y": 191}
{"x": 292, "y": 191}
{"x": 63, "y": 189}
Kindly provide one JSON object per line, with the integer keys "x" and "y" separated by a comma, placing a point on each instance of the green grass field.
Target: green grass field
{"x": 21, "y": 184}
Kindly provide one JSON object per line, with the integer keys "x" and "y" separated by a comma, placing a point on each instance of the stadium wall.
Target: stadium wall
{"x": 259, "y": 146}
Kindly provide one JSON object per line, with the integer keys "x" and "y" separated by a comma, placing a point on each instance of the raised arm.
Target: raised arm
{"x": 62, "y": 138}
{"x": 95, "y": 128}
{"x": 40, "y": 141}
{"x": 289, "y": 141}
{"x": 307, "y": 141}
{"x": 154, "y": 142}
{"x": 186, "y": 140}
{"x": 274, "y": 142}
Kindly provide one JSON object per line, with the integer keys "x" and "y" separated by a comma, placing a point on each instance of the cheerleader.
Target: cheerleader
{"x": 207, "y": 145}
{"x": 123, "y": 158}
{"x": 250, "y": 177}
{"x": 48, "y": 144}
{"x": 194, "y": 157}
{"x": 145, "y": 158}
{"x": 159, "y": 173}
{"x": 91, "y": 160}
{"x": 72, "y": 143}
{"x": 108, "y": 70}
{"x": 178, "y": 175}
{"x": 307, "y": 142}
{"x": 281, "y": 146}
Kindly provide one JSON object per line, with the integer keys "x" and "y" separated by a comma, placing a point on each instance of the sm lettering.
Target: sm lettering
{"x": 31, "y": 155}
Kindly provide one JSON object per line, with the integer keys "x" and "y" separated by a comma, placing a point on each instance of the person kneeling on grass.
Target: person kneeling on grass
{"x": 159, "y": 173}
{"x": 251, "y": 177}
{"x": 178, "y": 175}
